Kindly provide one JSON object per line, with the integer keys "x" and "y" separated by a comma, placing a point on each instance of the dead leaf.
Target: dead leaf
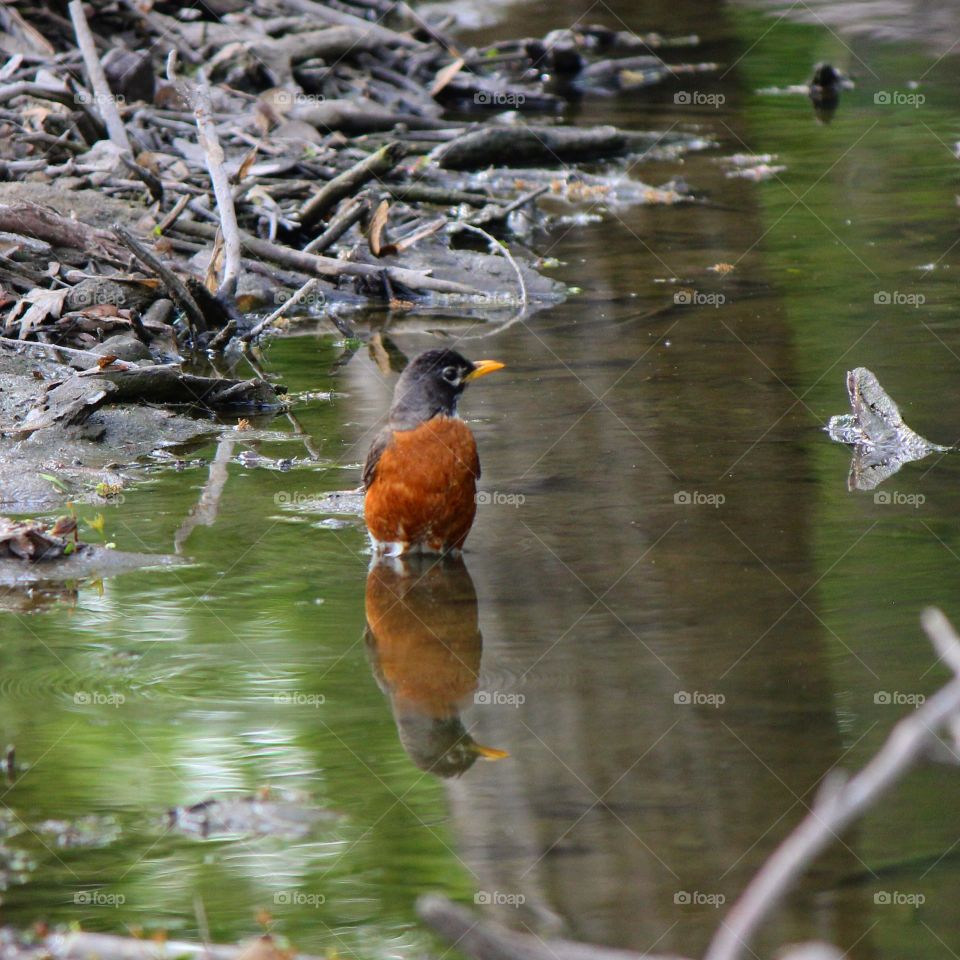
{"x": 375, "y": 234}
{"x": 215, "y": 264}
{"x": 106, "y": 361}
{"x": 246, "y": 164}
{"x": 445, "y": 75}
{"x": 41, "y": 305}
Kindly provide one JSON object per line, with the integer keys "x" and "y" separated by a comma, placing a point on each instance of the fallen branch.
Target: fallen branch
{"x": 299, "y": 297}
{"x": 98, "y": 79}
{"x": 338, "y": 226}
{"x": 177, "y": 289}
{"x": 842, "y": 801}
{"x": 73, "y": 401}
{"x": 534, "y": 144}
{"x": 375, "y": 166}
{"x": 213, "y": 154}
{"x": 34, "y": 220}
{"x": 311, "y": 264}
{"x": 90, "y": 358}
{"x": 494, "y": 242}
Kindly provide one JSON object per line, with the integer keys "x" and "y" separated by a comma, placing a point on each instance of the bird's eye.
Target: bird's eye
{"x": 450, "y": 374}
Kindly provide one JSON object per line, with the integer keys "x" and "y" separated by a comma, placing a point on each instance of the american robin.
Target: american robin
{"x": 824, "y": 90}
{"x": 424, "y": 644}
{"x": 421, "y": 472}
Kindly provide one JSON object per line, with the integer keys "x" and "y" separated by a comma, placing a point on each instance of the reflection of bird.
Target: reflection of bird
{"x": 424, "y": 644}
{"x": 421, "y": 471}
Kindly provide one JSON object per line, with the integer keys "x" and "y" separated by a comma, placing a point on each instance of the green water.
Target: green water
{"x": 600, "y": 600}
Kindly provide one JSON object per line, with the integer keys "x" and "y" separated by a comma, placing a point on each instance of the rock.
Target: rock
{"x": 130, "y": 74}
{"x": 123, "y": 346}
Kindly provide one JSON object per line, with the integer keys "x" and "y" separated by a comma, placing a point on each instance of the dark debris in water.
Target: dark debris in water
{"x": 252, "y": 815}
{"x": 882, "y": 443}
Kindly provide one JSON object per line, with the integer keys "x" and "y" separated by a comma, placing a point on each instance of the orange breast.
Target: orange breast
{"x": 425, "y": 636}
{"x": 424, "y": 488}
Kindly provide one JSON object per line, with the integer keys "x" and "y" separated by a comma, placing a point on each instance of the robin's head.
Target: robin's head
{"x": 432, "y": 384}
{"x": 825, "y": 75}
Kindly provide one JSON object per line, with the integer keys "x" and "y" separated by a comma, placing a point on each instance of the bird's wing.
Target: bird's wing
{"x": 373, "y": 457}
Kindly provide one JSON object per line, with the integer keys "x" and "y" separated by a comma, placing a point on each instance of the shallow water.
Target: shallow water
{"x": 682, "y": 617}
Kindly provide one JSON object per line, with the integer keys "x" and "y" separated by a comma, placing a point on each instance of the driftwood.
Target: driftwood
{"x": 288, "y": 83}
{"x": 327, "y": 266}
{"x": 177, "y": 289}
{"x": 375, "y": 166}
{"x": 299, "y": 297}
{"x": 538, "y": 145}
{"x": 351, "y": 213}
{"x": 841, "y": 801}
{"x": 40, "y": 222}
{"x": 74, "y": 400}
{"x": 98, "y": 79}
{"x": 213, "y": 153}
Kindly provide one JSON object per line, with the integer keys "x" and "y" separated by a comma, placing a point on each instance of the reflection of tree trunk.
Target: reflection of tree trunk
{"x": 625, "y": 816}
{"x": 934, "y": 24}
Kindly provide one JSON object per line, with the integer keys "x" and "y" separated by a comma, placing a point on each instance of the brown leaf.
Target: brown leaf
{"x": 445, "y": 75}
{"x": 63, "y": 526}
{"x": 106, "y": 361}
{"x": 377, "y": 223}
{"x": 216, "y": 263}
{"x": 246, "y": 164}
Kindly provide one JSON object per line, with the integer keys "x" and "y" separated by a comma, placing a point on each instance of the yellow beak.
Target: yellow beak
{"x": 489, "y": 753}
{"x": 483, "y": 367}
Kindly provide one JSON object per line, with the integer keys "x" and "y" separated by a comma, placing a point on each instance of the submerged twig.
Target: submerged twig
{"x": 267, "y": 322}
{"x": 494, "y": 242}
